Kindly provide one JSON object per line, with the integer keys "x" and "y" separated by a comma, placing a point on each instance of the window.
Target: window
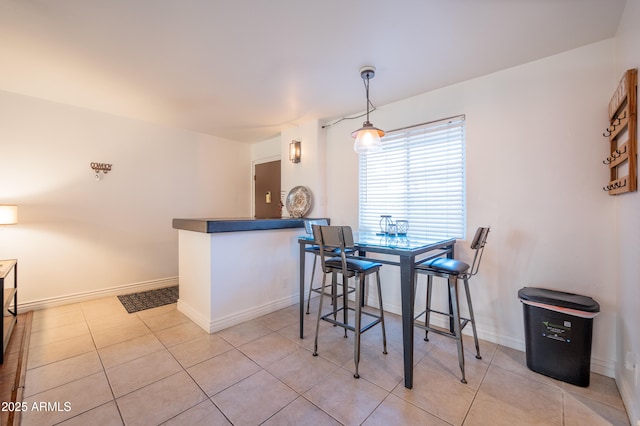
{"x": 419, "y": 175}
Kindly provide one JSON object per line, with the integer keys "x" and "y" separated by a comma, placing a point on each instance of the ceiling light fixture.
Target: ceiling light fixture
{"x": 367, "y": 137}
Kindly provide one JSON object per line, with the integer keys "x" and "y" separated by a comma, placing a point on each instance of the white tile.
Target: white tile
{"x": 66, "y": 401}
{"x": 160, "y": 401}
{"x": 132, "y": 375}
{"x": 61, "y": 372}
{"x": 129, "y": 350}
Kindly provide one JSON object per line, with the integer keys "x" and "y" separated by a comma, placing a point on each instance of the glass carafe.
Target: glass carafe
{"x": 403, "y": 227}
{"x": 385, "y": 222}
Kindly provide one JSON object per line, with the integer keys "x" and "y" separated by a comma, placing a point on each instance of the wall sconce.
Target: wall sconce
{"x": 294, "y": 151}
{"x": 8, "y": 214}
{"x": 100, "y": 167}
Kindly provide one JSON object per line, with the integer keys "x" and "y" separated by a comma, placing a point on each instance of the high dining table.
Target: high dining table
{"x": 402, "y": 251}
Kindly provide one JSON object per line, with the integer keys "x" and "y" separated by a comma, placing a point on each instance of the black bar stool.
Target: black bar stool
{"x": 315, "y": 249}
{"x": 341, "y": 238}
{"x": 453, "y": 270}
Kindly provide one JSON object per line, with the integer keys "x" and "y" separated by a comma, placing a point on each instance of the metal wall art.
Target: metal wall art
{"x": 100, "y": 167}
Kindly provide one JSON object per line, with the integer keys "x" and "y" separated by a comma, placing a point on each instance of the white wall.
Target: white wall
{"x": 311, "y": 169}
{"x": 78, "y": 236}
{"x": 627, "y": 220}
{"x": 534, "y": 174}
{"x": 266, "y": 150}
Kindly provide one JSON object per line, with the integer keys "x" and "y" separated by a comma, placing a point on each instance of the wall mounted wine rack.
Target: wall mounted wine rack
{"x": 622, "y": 134}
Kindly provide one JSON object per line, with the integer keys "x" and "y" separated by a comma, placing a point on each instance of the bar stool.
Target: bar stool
{"x": 453, "y": 270}
{"x": 341, "y": 238}
{"x": 315, "y": 250}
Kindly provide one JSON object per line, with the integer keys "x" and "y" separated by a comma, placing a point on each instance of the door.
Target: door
{"x": 267, "y": 190}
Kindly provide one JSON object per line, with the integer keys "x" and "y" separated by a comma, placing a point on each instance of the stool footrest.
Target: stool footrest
{"x": 327, "y": 318}
{"x": 437, "y": 331}
{"x": 463, "y": 322}
{"x": 319, "y": 291}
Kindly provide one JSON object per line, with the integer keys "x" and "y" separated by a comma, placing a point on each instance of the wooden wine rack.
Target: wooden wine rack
{"x": 622, "y": 134}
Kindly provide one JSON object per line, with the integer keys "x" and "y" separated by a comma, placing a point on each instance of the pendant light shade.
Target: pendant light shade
{"x": 367, "y": 137}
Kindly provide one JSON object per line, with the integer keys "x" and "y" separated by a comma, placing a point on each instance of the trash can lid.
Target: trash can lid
{"x": 559, "y": 298}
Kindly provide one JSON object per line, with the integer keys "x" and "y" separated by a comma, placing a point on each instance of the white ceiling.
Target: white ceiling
{"x": 247, "y": 69}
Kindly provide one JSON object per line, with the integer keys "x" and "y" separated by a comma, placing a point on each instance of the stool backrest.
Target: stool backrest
{"x": 317, "y": 236}
{"x": 336, "y": 239}
{"x": 308, "y": 224}
{"x": 477, "y": 244}
{"x": 332, "y": 237}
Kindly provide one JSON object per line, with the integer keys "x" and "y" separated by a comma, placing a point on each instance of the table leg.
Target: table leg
{"x": 363, "y": 254}
{"x": 301, "y": 267}
{"x": 450, "y": 255}
{"x": 407, "y": 292}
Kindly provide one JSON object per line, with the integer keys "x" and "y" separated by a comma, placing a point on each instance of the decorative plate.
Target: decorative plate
{"x": 299, "y": 201}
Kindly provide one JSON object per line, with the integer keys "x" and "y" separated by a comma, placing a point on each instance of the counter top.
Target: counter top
{"x": 215, "y": 225}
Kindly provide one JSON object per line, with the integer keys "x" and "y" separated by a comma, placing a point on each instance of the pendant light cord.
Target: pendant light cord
{"x": 369, "y": 105}
{"x": 366, "y": 87}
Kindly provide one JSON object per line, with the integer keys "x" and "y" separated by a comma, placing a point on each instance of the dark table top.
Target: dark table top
{"x": 236, "y": 224}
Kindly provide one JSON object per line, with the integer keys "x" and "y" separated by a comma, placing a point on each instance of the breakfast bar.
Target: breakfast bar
{"x": 236, "y": 269}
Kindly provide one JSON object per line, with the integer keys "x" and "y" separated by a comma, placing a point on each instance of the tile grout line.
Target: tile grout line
{"x": 104, "y": 371}
{"x": 261, "y": 369}
{"x": 484, "y": 376}
{"x": 184, "y": 369}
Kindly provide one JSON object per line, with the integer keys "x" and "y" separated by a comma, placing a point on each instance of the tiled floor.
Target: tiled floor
{"x": 92, "y": 363}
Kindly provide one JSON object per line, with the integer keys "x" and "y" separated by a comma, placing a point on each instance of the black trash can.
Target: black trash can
{"x": 558, "y": 331}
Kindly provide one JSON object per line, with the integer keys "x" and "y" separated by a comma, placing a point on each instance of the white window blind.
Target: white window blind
{"x": 419, "y": 175}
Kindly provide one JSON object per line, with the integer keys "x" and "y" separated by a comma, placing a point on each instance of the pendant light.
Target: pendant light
{"x": 367, "y": 137}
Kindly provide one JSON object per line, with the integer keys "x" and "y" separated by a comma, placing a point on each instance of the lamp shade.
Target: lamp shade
{"x": 367, "y": 139}
{"x": 8, "y": 214}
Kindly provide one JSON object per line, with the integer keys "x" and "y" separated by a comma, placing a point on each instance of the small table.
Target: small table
{"x": 9, "y": 299}
{"x": 409, "y": 252}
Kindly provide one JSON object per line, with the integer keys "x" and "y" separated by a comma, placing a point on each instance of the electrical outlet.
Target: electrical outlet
{"x": 629, "y": 360}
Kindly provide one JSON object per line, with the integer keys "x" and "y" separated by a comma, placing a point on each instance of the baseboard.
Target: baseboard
{"x": 604, "y": 367}
{"x": 212, "y": 326}
{"x": 96, "y": 294}
{"x": 200, "y": 320}
{"x": 628, "y": 398}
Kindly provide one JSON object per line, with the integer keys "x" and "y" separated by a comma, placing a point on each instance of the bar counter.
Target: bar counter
{"x": 233, "y": 270}
{"x": 211, "y": 226}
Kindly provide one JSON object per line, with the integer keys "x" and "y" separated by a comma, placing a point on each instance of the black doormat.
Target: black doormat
{"x": 149, "y": 299}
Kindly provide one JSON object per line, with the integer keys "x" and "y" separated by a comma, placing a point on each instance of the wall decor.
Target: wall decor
{"x": 622, "y": 134}
{"x": 101, "y": 167}
{"x": 299, "y": 201}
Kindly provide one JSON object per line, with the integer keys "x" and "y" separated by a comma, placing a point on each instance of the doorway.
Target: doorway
{"x": 267, "y": 190}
